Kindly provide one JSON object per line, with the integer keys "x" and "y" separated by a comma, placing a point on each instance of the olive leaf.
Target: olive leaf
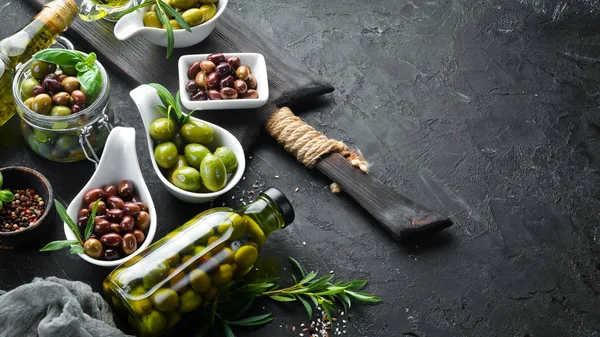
{"x": 62, "y": 212}
{"x": 56, "y": 245}
{"x": 170, "y": 103}
{"x": 253, "y": 321}
{"x": 89, "y": 228}
{"x": 177, "y": 16}
{"x": 135, "y": 8}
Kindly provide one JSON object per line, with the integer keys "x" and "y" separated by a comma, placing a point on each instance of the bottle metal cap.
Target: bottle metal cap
{"x": 284, "y": 204}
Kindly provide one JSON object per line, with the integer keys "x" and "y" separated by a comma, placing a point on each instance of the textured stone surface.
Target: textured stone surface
{"x": 486, "y": 111}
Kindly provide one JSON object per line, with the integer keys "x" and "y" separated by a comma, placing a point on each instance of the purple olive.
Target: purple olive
{"x": 127, "y": 224}
{"x": 101, "y": 226}
{"x": 229, "y": 93}
{"x": 193, "y": 70}
{"x": 139, "y": 236}
{"x": 110, "y": 190}
{"x": 130, "y": 208}
{"x": 214, "y": 94}
{"x": 115, "y": 228}
{"x": 240, "y": 86}
{"x": 200, "y": 96}
{"x": 115, "y": 202}
{"x": 114, "y": 215}
{"x": 212, "y": 80}
{"x": 78, "y": 97}
{"x": 112, "y": 254}
{"x": 75, "y": 108}
{"x": 129, "y": 244}
{"x": 142, "y": 221}
{"x": 216, "y": 58}
{"x": 38, "y": 89}
{"x": 82, "y": 222}
{"x": 191, "y": 87}
{"x": 125, "y": 189}
{"x": 52, "y": 86}
{"x": 233, "y": 61}
{"x": 252, "y": 83}
{"x": 223, "y": 70}
{"x": 250, "y": 94}
{"x": 227, "y": 82}
{"x": 143, "y": 206}
{"x": 100, "y": 210}
{"x": 112, "y": 240}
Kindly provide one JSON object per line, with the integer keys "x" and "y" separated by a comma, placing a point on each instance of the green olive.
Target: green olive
{"x": 228, "y": 255}
{"x": 193, "y": 16}
{"x": 29, "y": 103}
{"x": 174, "y": 25}
{"x": 209, "y": 11}
{"x": 239, "y": 227}
{"x": 184, "y": 4}
{"x": 197, "y": 132}
{"x": 27, "y": 87}
{"x": 223, "y": 228}
{"x": 42, "y": 104}
{"x": 256, "y": 232}
{"x": 165, "y": 154}
{"x": 207, "y": 1}
{"x": 181, "y": 162}
{"x": 44, "y": 136}
{"x": 197, "y": 251}
{"x": 70, "y": 71}
{"x": 190, "y": 301}
{"x": 151, "y": 20}
{"x": 39, "y": 69}
{"x": 194, "y": 153}
{"x": 200, "y": 281}
{"x": 165, "y": 300}
{"x": 174, "y": 260}
{"x": 211, "y": 294}
{"x": 227, "y": 157}
{"x": 246, "y": 256}
{"x": 179, "y": 142}
{"x": 187, "y": 178}
{"x": 172, "y": 319}
{"x": 156, "y": 274}
{"x": 60, "y": 110}
{"x": 67, "y": 142}
{"x": 70, "y": 84}
{"x": 213, "y": 173}
{"x": 223, "y": 275}
{"x": 140, "y": 306}
{"x": 162, "y": 129}
{"x": 153, "y": 324}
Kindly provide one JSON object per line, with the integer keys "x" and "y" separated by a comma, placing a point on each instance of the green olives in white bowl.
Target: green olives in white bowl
{"x": 207, "y": 163}
{"x": 133, "y": 24}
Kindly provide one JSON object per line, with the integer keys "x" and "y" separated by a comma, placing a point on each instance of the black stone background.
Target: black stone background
{"x": 484, "y": 110}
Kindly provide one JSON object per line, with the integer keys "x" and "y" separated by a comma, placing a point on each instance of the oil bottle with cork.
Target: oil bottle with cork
{"x": 39, "y": 34}
{"x": 186, "y": 270}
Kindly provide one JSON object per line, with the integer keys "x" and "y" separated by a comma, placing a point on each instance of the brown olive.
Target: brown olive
{"x": 250, "y": 94}
{"x": 227, "y": 82}
{"x": 233, "y": 61}
{"x": 192, "y": 87}
{"x": 110, "y": 190}
{"x": 229, "y": 93}
{"x": 93, "y": 195}
{"x": 142, "y": 222}
{"x": 143, "y": 206}
{"x": 62, "y": 98}
{"x": 131, "y": 208}
{"x": 112, "y": 240}
{"x": 83, "y": 212}
{"x": 212, "y": 80}
{"x": 214, "y": 94}
{"x": 136, "y": 198}
{"x": 252, "y": 83}
{"x": 82, "y": 222}
{"x": 101, "y": 226}
{"x": 207, "y": 66}
{"x": 129, "y": 244}
{"x": 61, "y": 77}
{"x": 125, "y": 189}
{"x": 100, "y": 217}
{"x": 193, "y": 70}
{"x": 115, "y": 202}
{"x": 240, "y": 86}
{"x": 200, "y": 80}
{"x": 100, "y": 210}
{"x": 38, "y": 90}
{"x": 112, "y": 254}
{"x": 114, "y": 215}
{"x": 216, "y": 58}
{"x": 139, "y": 236}
{"x": 75, "y": 108}
{"x": 127, "y": 224}
{"x": 78, "y": 97}
{"x": 115, "y": 228}
{"x": 93, "y": 248}
{"x": 223, "y": 70}
{"x": 42, "y": 104}
{"x": 70, "y": 83}
{"x": 242, "y": 73}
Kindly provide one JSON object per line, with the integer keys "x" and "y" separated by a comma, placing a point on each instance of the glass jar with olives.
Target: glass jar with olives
{"x": 184, "y": 271}
{"x": 59, "y": 120}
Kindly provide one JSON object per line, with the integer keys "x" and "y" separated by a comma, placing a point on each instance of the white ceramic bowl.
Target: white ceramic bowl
{"x": 133, "y": 24}
{"x": 257, "y": 64}
{"x": 146, "y": 99}
{"x": 119, "y": 162}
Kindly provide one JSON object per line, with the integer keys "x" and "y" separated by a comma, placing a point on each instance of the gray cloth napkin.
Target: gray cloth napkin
{"x": 55, "y": 308}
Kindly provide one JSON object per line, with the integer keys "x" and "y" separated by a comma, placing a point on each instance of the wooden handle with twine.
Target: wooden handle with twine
{"x": 309, "y": 145}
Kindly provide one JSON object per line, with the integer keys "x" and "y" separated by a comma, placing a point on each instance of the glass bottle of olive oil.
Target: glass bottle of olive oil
{"x": 19, "y": 47}
{"x": 184, "y": 271}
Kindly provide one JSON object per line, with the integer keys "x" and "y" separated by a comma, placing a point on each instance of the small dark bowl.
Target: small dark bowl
{"x": 16, "y": 177}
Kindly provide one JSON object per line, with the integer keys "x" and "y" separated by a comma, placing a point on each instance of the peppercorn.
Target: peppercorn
{"x": 24, "y": 211}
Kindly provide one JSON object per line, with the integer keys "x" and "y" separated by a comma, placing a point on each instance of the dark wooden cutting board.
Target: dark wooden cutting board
{"x": 141, "y": 62}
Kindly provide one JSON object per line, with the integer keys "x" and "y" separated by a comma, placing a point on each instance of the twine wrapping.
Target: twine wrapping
{"x": 307, "y": 144}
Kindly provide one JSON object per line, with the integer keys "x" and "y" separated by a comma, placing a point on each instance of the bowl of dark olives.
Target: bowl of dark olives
{"x": 200, "y": 15}
{"x": 125, "y": 218}
{"x": 223, "y": 81}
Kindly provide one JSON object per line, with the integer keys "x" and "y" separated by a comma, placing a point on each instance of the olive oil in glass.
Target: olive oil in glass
{"x": 184, "y": 271}
{"x": 18, "y": 48}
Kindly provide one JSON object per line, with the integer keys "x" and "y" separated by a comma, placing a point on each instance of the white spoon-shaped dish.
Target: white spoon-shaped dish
{"x": 119, "y": 162}
{"x": 146, "y": 99}
{"x": 133, "y": 24}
